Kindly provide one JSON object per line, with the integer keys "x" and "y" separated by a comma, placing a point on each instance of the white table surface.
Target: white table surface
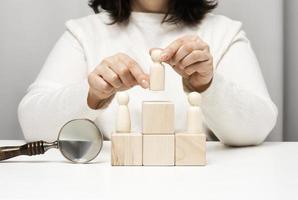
{"x": 269, "y": 171}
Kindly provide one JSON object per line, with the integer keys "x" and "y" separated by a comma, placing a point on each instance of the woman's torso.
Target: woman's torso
{"x": 143, "y": 32}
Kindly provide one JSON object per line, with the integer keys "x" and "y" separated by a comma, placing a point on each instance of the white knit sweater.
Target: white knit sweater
{"x": 236, "y": 107}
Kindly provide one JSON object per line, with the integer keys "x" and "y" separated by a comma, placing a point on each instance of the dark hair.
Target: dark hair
{"x": 187, "y": 11}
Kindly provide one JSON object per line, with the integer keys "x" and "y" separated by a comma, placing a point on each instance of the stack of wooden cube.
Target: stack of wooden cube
{"x": 158, "y": 144}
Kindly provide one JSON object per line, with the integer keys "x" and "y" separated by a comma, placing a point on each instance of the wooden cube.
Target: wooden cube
{"x": 126, "y": 149}
{"x": 158, "y": 150}
{"x": 158, "y": 117}
{"x": 190, "y": 149}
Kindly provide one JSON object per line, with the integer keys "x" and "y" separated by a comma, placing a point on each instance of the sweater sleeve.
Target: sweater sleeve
{"x": 237, "y": 106}
{"x": 59, "y": 93}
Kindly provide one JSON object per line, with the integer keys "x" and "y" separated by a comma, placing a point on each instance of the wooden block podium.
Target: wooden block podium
{"x": 190, "y": 149}
{"x": 127, "y": 149}
{"x": 158, "y": 117}
{"x": 158, "y": 145}
{"x": 159, "y": 150}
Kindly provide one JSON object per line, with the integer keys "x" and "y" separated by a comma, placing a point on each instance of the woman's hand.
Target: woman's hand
{"x": 115, "y": 73}
{"x": 191, "y": 58}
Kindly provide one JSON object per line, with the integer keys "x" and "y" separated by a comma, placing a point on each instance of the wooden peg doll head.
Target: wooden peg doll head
{"x": 155, "y": 55}
{"x": 122, "y": 98}
{"x": 194, "y": 99}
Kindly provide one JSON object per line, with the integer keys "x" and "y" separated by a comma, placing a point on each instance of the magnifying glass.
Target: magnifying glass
{"x": 79, "y": 141}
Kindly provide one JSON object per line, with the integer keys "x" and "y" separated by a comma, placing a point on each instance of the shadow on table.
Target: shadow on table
{"x": 217, "y": 146}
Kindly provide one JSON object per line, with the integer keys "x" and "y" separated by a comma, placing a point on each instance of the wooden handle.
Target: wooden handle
{"x": 29, "y": 149}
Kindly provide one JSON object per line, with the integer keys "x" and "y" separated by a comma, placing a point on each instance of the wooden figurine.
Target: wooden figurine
{"x": 155, "y": 55}
{"x": 123, "y": 123}
{"x": 194, "y": 115}
{"x": 157, "y": 72}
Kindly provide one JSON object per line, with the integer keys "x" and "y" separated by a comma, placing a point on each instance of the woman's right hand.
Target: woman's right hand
{"x": 115, "y": 73}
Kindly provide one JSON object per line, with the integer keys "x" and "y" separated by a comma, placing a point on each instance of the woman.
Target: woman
{"x": 101, "y": 54}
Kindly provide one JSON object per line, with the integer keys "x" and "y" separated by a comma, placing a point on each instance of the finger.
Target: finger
{"x": 99, "y": 84}
{"x": 202, "y": 68}
{"x": 111, "y": 77}
{"x": 197, "y": 79}
{"x": 139, "y": 75}
{"x": 171, "y": 49}
{"x": 118, "y": 66}
{"x": 137, "y": 72}
{"x": 181, "y": 72}
{"x": 184, "y": 51}
{"x": 194, "y": 57}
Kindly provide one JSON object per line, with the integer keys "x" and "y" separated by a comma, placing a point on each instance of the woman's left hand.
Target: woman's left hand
{"x": 191, "y": 58}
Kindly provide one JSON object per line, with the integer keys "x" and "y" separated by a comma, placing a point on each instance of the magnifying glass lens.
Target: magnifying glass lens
{"x": 80, "y": 141}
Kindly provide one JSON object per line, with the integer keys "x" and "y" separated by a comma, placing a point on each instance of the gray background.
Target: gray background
{"x": 29, "y": 29}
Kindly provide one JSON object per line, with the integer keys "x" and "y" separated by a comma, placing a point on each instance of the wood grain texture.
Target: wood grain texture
{"x": 158, "y": 117}
{"x": 157, "y": 77}
{"x": 158, "y": 150}
{"x": 123, "y": 122}
{"x": 194, "y": 120}
{"x": 190, "y": 149}
{"x": 126, "y": 149}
